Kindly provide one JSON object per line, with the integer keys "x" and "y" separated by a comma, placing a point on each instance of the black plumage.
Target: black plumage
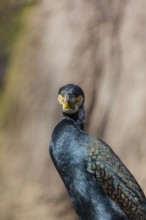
{"x": 98, "y": 183}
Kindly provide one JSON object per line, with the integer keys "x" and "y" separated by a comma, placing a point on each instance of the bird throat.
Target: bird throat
{"x": 78, "y": 117}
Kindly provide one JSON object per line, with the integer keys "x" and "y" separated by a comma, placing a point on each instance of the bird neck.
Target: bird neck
{"x": 78, "y": 117}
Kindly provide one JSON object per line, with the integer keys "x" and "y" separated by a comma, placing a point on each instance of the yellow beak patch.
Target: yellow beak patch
{"x": 62, "y": 101}
{"x": 66, "y": 106}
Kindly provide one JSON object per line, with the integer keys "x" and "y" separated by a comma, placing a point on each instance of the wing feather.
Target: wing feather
{"x": 116, "y": 179}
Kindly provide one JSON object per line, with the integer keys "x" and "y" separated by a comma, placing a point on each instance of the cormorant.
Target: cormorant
{"x": 98, "y": 183}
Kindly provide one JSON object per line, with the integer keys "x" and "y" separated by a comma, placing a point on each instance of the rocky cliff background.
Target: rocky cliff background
{"x": 98, "y": 44}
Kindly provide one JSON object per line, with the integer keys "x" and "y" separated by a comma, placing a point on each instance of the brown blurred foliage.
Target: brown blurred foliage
{"x": 98, "y": 44}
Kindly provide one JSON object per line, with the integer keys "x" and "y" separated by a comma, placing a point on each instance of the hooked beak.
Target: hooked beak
{"x": 67, "y": 105}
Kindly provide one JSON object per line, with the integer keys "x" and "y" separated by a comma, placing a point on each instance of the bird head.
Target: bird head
{"x": 71, "y": 97}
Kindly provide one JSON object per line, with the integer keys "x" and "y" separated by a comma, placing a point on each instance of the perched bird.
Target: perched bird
{"x": 99, "y": 184}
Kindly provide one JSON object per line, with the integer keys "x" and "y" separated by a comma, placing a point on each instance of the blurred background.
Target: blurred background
{"x": 97, "y": 44}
